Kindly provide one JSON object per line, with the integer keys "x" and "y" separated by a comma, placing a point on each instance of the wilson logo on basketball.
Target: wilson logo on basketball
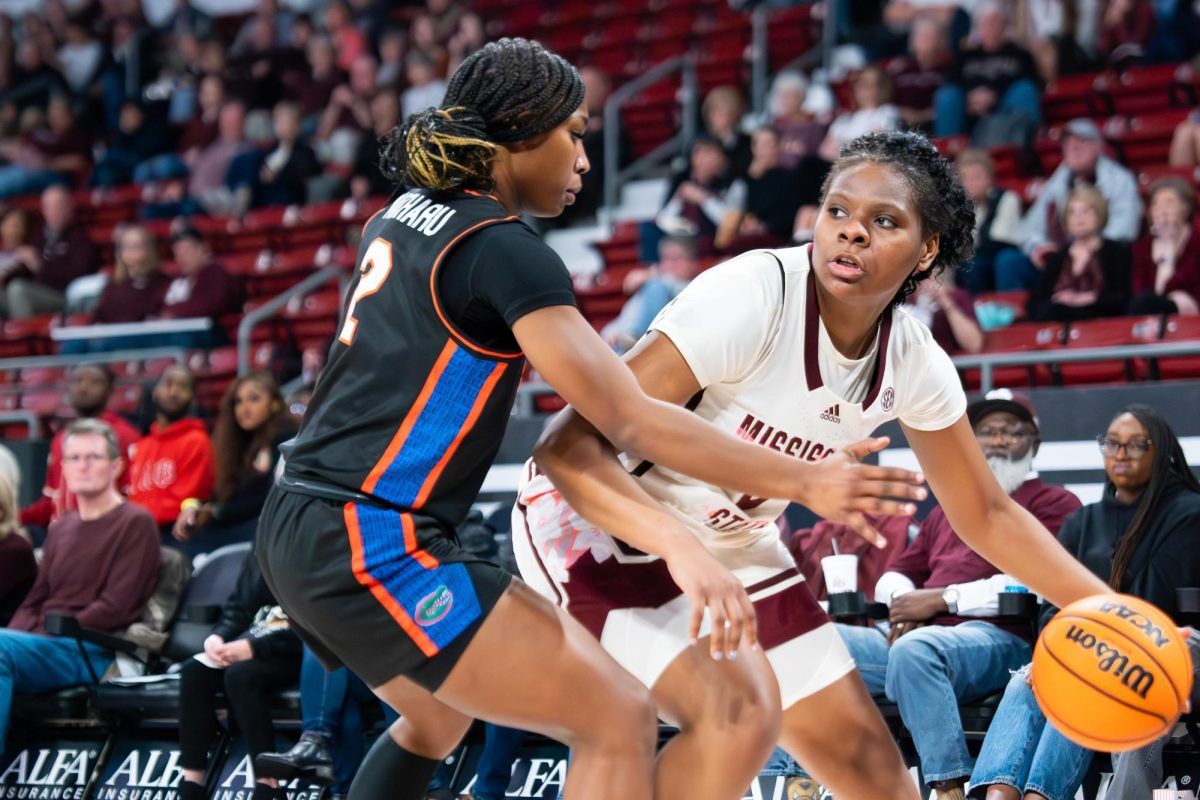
{"x": 434, "y": 606}
{"x": 1111, "y": 660}
{"x": 1137, "y": 620}
{"x": 833, "y": 413}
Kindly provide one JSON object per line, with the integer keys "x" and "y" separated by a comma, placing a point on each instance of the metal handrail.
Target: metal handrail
{"x": 614, "y": 175}
{"x": 28, "y": 417}
{"x": 987, "y": 362}
{"x": 109, "y": 357}
{"x": 271, "y": 307}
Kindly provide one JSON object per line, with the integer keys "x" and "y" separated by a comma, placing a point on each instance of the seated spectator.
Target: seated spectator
{"x": 425, "y": 88}
{"x": 365, "y": 178}
{"x": 350, "y": 103}
{"x": 809, "y": 545}
{"x": 948, "y": 312}
{"x": 312, "y": 89}
{"x": 348, "y": 41}
{"x": 872, "y": 112}
{"x": 1166, "y": 260}
{"x": 32, "y": 82}
{"x": 1125, "y": 29}
{"x": 721, "y": 116}
{"x": 210, "y": 168}
{"x": 251, "y": 424}
{"x": 997, "y": 219}
{"x": 763, "y": 205}
{"x": 18, "y": 568}
{"x": 57, "y": 254}
{"x": 251, "y": 655}
{"x": 651, "y": 289}
{"x": 199, "y": 132}
{"x": 424, "y": 38}
{"x": 15, "y": 234}
{"x": 89, "y": 386}
{"x": 80, "y": 55}
{"x": 699, "y": 199}
{"x": 1141, "y": 537}
{"x": 283, "y": 171}
{"x": 138, "y": 138}
{"x": 917, "y": 77}
{"x": 58, "y": 151}
{"x": 1089, "y": 277}
{"x": 1041, "y": 229}
{"x": 1185, "y": 142}
{"x": 800, "y": 131}
{"x": 204, "y": 288}
{"x": 469, "y": 37}
{"x": 393, "y": 47}
{"x": 995, "y": 94}
{"x": 137, "y": 287}
{"x": 99, "y": 565}
{"x": 1053, "y": 30}
{"x": 174, "y": 461}
{"x": 942, "y": 650}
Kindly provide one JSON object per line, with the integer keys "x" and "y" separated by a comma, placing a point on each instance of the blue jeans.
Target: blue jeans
{"x": 950, "y": 105}
{"x": 1023, "y": 752}
{"x": 16, "y": 180}
{"x": 33, "y": 663}
{"x": 1138, "y": 772}
{"x": 1002, "y": 269}
{"x": 330, "y": 705}
{"x": 641, "y": 309}
{"x": 927, "y": 673}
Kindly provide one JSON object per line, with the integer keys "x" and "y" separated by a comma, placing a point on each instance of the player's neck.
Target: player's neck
{"x": 851, "y": 329}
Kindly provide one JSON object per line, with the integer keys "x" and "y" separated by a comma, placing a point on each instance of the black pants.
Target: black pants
{"x": 1148, "y": 302}
{"x": 249, "y": 686}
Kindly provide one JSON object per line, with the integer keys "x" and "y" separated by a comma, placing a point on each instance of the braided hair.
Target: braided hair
{"x": 1169, "y": 465}
{"x": 511, "y": 90}
{"x": 937, "y": 193}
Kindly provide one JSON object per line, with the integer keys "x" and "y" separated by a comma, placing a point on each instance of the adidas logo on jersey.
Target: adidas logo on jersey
{"x": 833, "y": 413}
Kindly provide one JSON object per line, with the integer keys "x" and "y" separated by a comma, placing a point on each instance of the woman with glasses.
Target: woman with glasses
{"x": 1141, "y": 537}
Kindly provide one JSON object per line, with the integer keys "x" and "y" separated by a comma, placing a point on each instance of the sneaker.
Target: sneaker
{"x": 310, "y": 760}
{"x": 801, "y": 789}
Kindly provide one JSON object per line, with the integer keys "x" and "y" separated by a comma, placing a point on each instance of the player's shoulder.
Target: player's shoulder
{"x": 764, "y": 270}
{"x": 908, "y": 332}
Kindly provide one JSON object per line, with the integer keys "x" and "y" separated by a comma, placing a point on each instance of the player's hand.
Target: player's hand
{"x": 842, "y": 489}
{"x": 709, "y": 585}
{"x": 917, "y": 606}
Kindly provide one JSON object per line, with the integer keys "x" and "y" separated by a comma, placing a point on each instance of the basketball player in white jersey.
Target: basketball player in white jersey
{"x": 804, "y": 351}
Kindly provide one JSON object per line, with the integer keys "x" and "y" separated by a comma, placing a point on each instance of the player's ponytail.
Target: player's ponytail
{"x": 440, "y": 149}
{"x": 508, "y": 91}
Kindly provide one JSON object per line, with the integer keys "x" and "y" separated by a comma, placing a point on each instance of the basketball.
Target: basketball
{"x": 1112, "y": 673}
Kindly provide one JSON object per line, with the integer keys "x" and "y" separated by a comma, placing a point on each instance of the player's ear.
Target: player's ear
{"x": 929, "y": 253}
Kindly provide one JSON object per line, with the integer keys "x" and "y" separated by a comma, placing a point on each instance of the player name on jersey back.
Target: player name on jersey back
{"x": 419, "y": 213}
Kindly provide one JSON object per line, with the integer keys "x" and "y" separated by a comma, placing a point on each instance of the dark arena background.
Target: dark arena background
{"x": 183, "y": 186}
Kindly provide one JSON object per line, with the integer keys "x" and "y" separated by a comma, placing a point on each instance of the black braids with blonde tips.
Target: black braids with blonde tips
{"x": 511, "y": 90}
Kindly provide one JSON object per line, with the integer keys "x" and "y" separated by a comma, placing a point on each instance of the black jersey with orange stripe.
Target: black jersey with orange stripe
{"x": 409, "y": 408}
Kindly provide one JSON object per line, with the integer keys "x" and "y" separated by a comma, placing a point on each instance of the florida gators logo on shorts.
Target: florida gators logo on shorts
{"x": 434, "y": 606}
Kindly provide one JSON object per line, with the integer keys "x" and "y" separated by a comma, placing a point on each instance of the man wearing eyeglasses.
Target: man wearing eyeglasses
{"x": 99, "y": 565}
{"x": 946, "y": 644}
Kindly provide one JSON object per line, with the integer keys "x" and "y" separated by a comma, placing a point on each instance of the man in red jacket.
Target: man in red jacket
{"x": 175, "y": 460}
{"x": 99, "y": 565}
{"x": 88, "y": 389}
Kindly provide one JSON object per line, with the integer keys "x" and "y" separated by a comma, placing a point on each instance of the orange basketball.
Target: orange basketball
{"x": 1112, "y": 672}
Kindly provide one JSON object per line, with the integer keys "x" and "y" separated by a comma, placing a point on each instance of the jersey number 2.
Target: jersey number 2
{"x": 376, "y": 265}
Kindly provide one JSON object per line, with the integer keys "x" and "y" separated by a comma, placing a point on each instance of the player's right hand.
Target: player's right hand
{"x": 842, "y": 489}
{"x": 710, "y": 586}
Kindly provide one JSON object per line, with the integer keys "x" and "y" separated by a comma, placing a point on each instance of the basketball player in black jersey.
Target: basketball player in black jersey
{"x": 453, "y": 291}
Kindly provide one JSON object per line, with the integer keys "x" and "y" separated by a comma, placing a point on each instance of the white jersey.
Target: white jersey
{"x": 750, "y": 331}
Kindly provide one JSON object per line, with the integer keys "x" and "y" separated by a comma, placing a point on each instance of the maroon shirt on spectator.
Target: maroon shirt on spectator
{"x": 132, "y": 301}
{"x": 913, "y": 86}
{"x": 65, "y": 256}
{"x": 312, "y": 93}
{"x": 100, "y": 571}
{"x": 943, "y": 334}
{"x": 938, "y": 557}
{"x": 197, "y": 133}
{"x": 1187, "y": 268}
{"x": 18, "y": 570}
{"x": 210, "y": 293}
{"x": 53, "y": 145}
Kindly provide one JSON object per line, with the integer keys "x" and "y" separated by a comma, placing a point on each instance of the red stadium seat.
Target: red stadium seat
{"x": 1017, "y": 338}
{"x": 1071, "y": 96}
{"x": 1180, "y": 329}
{"x": 1146, "y": 139}
{"x": 1108, "y": 333}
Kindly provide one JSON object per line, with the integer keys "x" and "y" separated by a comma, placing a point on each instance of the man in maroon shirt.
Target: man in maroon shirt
{"x": 99, "y": 565}
{"x": 946, "y": 644}
{"x": 58, "y": 254}
{"x": 204, "y": 288}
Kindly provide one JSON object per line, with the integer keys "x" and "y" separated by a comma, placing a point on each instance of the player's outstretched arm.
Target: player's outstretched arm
{"x": 576, "y": 362}
{"x": 990, "y": 521}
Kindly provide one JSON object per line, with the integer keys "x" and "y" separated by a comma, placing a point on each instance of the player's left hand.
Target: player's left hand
{"x": 917, "y": 606}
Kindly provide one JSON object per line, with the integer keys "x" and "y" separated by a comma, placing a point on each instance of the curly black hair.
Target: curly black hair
{"x": 937, "y": 193}
{"x": 510, "y": 90}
